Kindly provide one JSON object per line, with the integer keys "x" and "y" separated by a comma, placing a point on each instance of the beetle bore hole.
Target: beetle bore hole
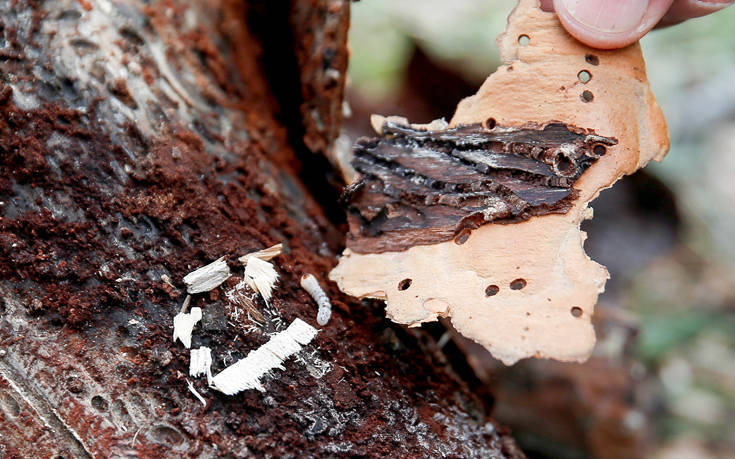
{"x": 584, "y": 76}
{"x": 518, "y": 284}
{"x": 592, "y": 59}
{"x": 490, "y": 123}
{"x": 462, "y": 237}
{"x": 492, "y": 290}
{"x": 10, "y": 405}
{"x": 563, "y": 164}
{"x": 577, "y": 312}
{"x": 587, "y": 96}
{"x": 404, "y": 284}
{"x": 99, "y": 403}
{"x": 599, "y": 150}
{"x": 524, "y": 40}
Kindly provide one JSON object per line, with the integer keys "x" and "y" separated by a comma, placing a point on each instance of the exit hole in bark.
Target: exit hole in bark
{"x": 577, "y": 312}
{"x": 563, "y": 164}
{"x": 518, "y": 284}
{"x": 404, "y": 284}
{"x": 99, "y": 403}
{"x": 587, "y": 96}
{"x": 592, "y": 59}
{"x": 462, "y": 237}
{"x": 492, "y": 290}
{"x": 599, "y": 150}
{"x": 524, "y": 40}
{"x": 10, "y": 405}
{"x": 584, "y": 76}
{"x": 490, "y": 123}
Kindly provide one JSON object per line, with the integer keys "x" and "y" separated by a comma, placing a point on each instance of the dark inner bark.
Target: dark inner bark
{"x": 421, "y": 187}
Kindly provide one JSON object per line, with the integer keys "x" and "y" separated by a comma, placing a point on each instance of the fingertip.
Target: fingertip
{"x": 609, "y": 25}
{"x": 546, "y": 5}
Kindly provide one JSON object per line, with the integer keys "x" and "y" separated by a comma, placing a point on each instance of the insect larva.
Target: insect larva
{"x": 311, "y": 285}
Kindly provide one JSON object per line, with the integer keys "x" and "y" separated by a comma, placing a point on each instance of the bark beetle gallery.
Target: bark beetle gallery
{"x": 421, "y": 187}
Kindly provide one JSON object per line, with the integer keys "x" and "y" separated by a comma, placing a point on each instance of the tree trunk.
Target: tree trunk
{"x": 140, "y": 141}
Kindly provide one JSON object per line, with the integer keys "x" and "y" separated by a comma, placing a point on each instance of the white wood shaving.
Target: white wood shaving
{"x": 207, "y": 277}
{"x": 167, "y": 279}
{"x": 184, "y": 324}
{"x": 377, "y": 121}
{"x": 200, "y": 363}
{"x": 261, "y": 276}
{"x": 185, "y": 304}
{"x": 311, "y": 285}
{"x": 246, "y": 373}
{"x": 265, "y": 254}
{"x": 196, "y": 394}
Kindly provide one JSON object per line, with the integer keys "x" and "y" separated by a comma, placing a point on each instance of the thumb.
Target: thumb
{"x": 610, "y": 24}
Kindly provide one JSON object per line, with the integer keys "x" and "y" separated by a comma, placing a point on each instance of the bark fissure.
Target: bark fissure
{"x": 306, "y": 80}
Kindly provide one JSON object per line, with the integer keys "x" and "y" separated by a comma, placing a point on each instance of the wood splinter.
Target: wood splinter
{"x": 200, "y": 363}
{"x": 247, "y": 372}
{"x": 260, "y": 274}
{"x": 184, "y": 324}
{"x": 479, "y": 221}
{"x": 207, "y": 277}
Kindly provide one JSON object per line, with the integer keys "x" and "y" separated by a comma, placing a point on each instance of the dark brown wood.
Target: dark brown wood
{"x": 421, "y": 187}
{"x": 141, "y": 140}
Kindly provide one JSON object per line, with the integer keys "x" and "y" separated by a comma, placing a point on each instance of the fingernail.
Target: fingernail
{"x": 688, "y": 9}
{"x": 606, "y": 16}
{"x": 711, "y": 5}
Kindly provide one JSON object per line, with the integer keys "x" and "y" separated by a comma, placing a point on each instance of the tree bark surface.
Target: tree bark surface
{"x": 140, "y": 140}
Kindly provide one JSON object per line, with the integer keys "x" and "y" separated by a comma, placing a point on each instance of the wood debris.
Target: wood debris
{"x": 239, "y": 296}
{"x": 207, "y": 277}
{"x": 378, "y": 121}
{"x": 196, "y": 393}
{"x": 200, "y": 363}
{"x": 265, "y": 254}
{"x": 261, "y": 276}
{"x": 184, "y": 325}
{"x": 165, "y": 278}
{"x": 246, "y": 373}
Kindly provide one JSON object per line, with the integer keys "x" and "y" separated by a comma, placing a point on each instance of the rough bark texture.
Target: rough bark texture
{"x": 140, "y": 140}
{"x": 422, "y": 186}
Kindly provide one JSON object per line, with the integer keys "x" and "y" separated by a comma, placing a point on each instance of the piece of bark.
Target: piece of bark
{"x": 322, "y": 66}
{"x": 526, "y": 289}
{"x": 421, "y": 186}
{"x": 138, "y": 142}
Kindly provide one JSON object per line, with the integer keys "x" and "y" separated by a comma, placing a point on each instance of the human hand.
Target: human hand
{"x": 610, "y": 24}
